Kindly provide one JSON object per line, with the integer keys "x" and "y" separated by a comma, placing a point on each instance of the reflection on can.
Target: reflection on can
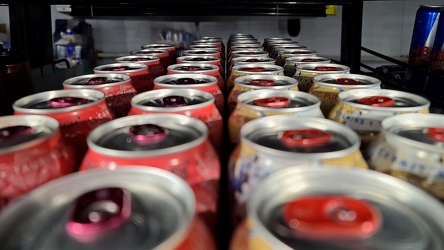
{"x": 163, "y": 54}
{"x": 170, "y": 48}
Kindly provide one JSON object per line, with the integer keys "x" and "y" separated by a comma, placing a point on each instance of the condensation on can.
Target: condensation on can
{"x": 140, "y": 77}
{"x": 306, "y": 72}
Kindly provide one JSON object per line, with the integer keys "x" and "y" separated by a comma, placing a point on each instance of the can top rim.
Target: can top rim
{"x": 372, "y": 81}
{"x": 71, "y": 81}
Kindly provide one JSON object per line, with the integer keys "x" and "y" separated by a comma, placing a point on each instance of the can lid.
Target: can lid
{"x": 377, "y": 101}
{"x": 305, "y": 137}
{"x": 262, "y": 82}
{"x": 331, "y": 217}
{"x": 14, "y": 132}
{"x": 117, "y": 68}
{"x": 326, "y": 68}
{"x": 186, "y": 81}
{"x": 174, "y": 101}
{"x": 348, "y": 81}
{"x": 97, "y": 80}
{"x": 254, "y": 69}
{"x": 310, "y": 60}
{"x": 148, "y": 133}
{"x": 272, "y": 102}
{"x": 191, "y": 68}
{"x": 67, "y": 101}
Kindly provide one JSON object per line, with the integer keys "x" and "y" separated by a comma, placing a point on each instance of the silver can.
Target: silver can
{"x": 285, "y": 46}
{"x": 306, "y": 72}
{"x": 272, "y": 39}
{"x": 284, "y": 54}
{"x": 292, "y": 62}
{"x": 252, "y": 69}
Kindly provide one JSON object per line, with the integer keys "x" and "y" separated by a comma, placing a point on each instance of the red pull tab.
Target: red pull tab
{"x": 309, "y": 60}
{"x": 300, "y": 52}
{"x": 272, "y": 102}
{"x": 119, "y": 68}
{"x": 10, "y": 133}
{"x": 255, "y": 69}
{"x": 186, "y": 81}
{"x": 347, "y": 81}
{"x": 174, "y": 101}
{"x": 436, "y": 133}
{"x": 64, "y": 102}
{"x": 332, "y": 217}
{"x": 305, "y": 137}
{"x": 97, "y": 80}
{"x": 262, "y": 82}
{"x": 138, "y": 59}
{"x": 98, "y": 212}
{"x": 189, "y": 68}
{"x": 377, "y": 101}
{"x": 148, "y": 133}
{"x": 325, "y": 68}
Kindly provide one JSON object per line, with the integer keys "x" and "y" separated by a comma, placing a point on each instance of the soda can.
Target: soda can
{"x": 307, "y": 71}
{"x": 198, "y": 68}
{"x": 271, "y": 143}
{"x": 256, "y": 82}
{"x": 284, "y": 54}
{"x": 176, "y": 143}
{"x": 216, "y": 41}
{"x": 293, "y": 61}
{"x": 32, "y": 152}
{"x": 247, "y": 47}
{"x": 155, "y": 68}
{"x": 203, "y": 59}
{"x": 78, "y": 111}
{"x": 117, "y": 88}
{"x": 163, "y": 54}
{"x": 252, "y": 69}
{"x": 411, "y": 150}
{"x": 189, "y": 102}
{"x": 269, "y": 102}
{"x": 131, "y": 208}
{"x": 435, "y": 82}
{"x": 170, "y": 48}
{"x": 193, "y": 81}
{"x": 203, "y": 52}
{"x": 327, "y": 87}
{"x": 140, "y": 76}
{"x": 364, "y": 109}
{"x": 271, "y": 39}
{"x": 247, "y": 60}
{"x": 240, "y": 41}
{"x": 332, "y": 208}
{"x": 285, "y": 46}
{"x": 246, "y": 52}
{"x": 271, "y": 44}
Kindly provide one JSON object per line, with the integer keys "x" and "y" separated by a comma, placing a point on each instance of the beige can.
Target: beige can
{"x": 306, "y": 72}
{"x": 284, "y": 54}
{"x": 252, "y": 69}
{"x": 293, "y": 61}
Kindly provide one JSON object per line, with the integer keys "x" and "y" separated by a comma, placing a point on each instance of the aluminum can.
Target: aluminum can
{"x": 257, "y": 82}
{"x": 247, "y": 60}
{"x": 284, "y": 54}
{"x": 271, "y": 39}
{"x": 140, "y": 77}
{"x": 327, "y": 87}
{"x": 307, "y": 71}
{"x": 271, "y": 143}
{"x": 247, "y": 47}
{"x": 78, "y": 112}
{"x": 268, "y": 102}
{"x": 203, "y": 52}
{"x": 198, "y": 68}
{"x": 240, "y": 41}
{"x": 163, "y": 54}
{"x": 209, "y": 47}
{"x": 411, "y": 150}
{"x": 176, "y": 143}
{"x": 437, "y": 55}
{"x": 107, "y": 210}
{"x": 216, "y": 41}
{"x": 190, "y": 102}
{"x": 293, "y": 61}
{"x": 32, "y": 152}
{"x": 252, "y": 69}
{"x": 171, "y": 49}
{"x": 271, "y": 44}
{"x": 203, "y": 59}
{"x": 285, "y": 46}
{"x": 246, "y": 52}
{"x": 117, "y": 88}
{"x": 155, "y": 68}
{"x": 396, "y": 215}
{"x": 364, "y": 109}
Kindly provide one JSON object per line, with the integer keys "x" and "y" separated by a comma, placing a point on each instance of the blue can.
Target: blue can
{"x": 437, "y": 56}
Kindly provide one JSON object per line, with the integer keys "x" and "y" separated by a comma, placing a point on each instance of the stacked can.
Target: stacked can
{"x": 435, "y": 83}
{"x": 252, "y": 69}
{"x": 32, "y": 152}
{"x": 155, "y": 68}
{"x": 293, "y": 61}
{"x": 205, "y": 52}
{"x": 163, "y": 54}
{"x": 198, "y": 68}
{"x": 306, "y": 72}
{"x": 210, "y": 40}
{"x": 170, "y": 48}
{"x": 244, "y": 53}
{"x": 131, "y": 208}
{"x": 331, "y": 208}
{"x": 207, "y": 47}
{"x": 141, "y": 78}
{"x": 270, "y": 44}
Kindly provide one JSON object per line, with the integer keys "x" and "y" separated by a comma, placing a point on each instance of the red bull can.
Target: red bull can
{"x": 140, "y": 77}
{"x": 155, "y": 68}
{"x": 163, "y": 54}
{"x": 293, "y": 61}
{"x": 170, "y": 48}
{"x": 307, "y": 71}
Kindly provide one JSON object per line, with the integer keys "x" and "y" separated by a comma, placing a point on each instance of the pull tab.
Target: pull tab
{"x": 332, "y": 217}
{"x": 247, "y": 53}
{"x": 148, "y": 133}
{"x": 119, "y": 68}
{"x": 348, "y": 81}
{"x": 305, "y": 137}
{"x": 262, "y": 82}
{"x": 436, "y": 133}
{"x": 186, "y": 81}
{"x": 325, "y": 68}
{"x": 198, "y": 59}
{"x": 255, "y": 69}
{"x": 138, "y": 59}
{"x": 174, "y": 101}
{"x": 252, "y": 60}
{"x": 299, "y": 52}
{"x": 309, "y": 60}
{"x": 10, "y": 133}
{"x": 98, "y": 212}
{"x": 189, "y": 68}
{"x": 272, "y": 102}
{"x": 64, "y": 102}
{"x": 97, "y": 80}
{"x": 377, "y": 101}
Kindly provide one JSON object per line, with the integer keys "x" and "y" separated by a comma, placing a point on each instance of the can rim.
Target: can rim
{"x": 139, "y": 68}
{"x": 212, "y": 68}
{"x": 139, "y": 52}
{"x": 71, "y": 81}
{"x": 209, "y": 52}
{"x": 164, "y": 45}
{"x": 308, "y": 67}
{"x": 211, "y": 59}
{"x": 291, "y": 81}
{"x": 150, "y": 58}
{"x": 212, "y": 82}
{"x": 297, "y": 59}
{"x": 276, "y": 68}
{"x": 374, "y": 82}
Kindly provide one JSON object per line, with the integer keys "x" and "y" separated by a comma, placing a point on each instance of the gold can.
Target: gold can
{"x": 243, "y": 53}
{"x": 249, "y": 59}
{"x": 257, "y": 82}
{"x": 284, "y": 54}
{"x": 252, "y": 69}
{"x": 327, "y": 87}
{"x": 364, "y": 109}
{"x": 293, "y": 61}
{"x": 305, "y": 72}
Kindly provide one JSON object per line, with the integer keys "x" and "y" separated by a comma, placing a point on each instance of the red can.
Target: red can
{"x": 203, "y": 59}
{"x": 155, "y": 68}
{"x": 117, "y": 88}
{"x": 194, "y": 68}
{"x": 176, "y": 143}
{"x": 192, "y": 81}
{"x": 32, "y": 152}
{"x": 78, "y": 112}
{"x": 140, "y": 77}
{"x": 208, "y": 47}
{"x": 190, "y": 102}
{"x": 215, "y": 41}
{"x": 163, "y": 54}
{"x": 171, "y": 49}
{"x": 204, "y": 52}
